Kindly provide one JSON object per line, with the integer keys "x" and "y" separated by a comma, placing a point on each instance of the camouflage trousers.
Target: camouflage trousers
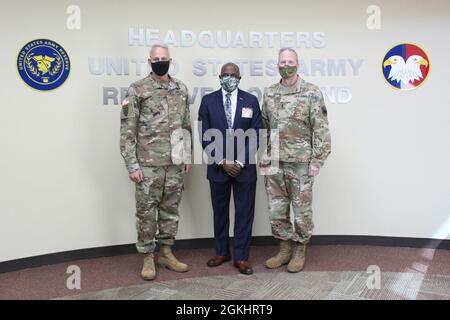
{"x": 290, "y": 185}
{"x": 157, "y": 199}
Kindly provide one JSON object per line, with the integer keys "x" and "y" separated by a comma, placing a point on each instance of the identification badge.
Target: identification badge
{"x": 247, "y": 112}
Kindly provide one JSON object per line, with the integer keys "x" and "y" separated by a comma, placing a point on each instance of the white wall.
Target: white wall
{"x": 63, "y": 184}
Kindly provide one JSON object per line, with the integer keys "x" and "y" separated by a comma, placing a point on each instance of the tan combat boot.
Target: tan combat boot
{"x": 148, "y": 270}
{"x": 282, "y": 257}
{"x": 298, "y": 258}
{"x": 168, "y": 260}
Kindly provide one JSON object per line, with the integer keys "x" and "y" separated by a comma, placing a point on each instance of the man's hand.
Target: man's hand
{"x": 187, "y": 167}
{"x": 262, "y": 164}
{"x": 313, "y": 170}
{"x": 137, "y": 176}
{"x": 231, "y": 168}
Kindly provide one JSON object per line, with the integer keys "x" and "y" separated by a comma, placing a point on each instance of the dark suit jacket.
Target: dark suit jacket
{"x": 212, "y": 116}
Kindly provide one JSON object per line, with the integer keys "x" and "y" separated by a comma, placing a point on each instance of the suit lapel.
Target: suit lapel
{"x": 221, "y": 107}
{"x": 239, "y": 106}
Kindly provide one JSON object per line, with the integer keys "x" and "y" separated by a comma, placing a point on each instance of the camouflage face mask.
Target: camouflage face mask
{"x": 229, "y": 83}
{"x": 287, "y": 71}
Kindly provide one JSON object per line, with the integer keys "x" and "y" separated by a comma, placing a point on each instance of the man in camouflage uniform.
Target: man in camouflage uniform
{"x": 155, "y": 142}
{"x": 296, "y": 109}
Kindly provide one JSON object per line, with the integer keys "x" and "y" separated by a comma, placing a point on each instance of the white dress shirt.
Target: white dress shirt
{"x": 233, "y": 99}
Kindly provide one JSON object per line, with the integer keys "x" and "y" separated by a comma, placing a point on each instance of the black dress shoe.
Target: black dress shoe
{"x": 244, "y": 267}
{"x": 218, "y": 260}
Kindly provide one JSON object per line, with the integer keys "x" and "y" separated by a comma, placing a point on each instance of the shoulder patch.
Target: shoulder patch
{"x": 125, "y": 104}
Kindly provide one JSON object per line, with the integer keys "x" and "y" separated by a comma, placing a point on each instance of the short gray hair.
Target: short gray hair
{"x": 159, "y": 45}
{"x": 287, "y": 49}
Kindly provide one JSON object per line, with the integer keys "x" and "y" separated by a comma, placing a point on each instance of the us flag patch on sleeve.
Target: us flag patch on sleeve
{"x": 125, "y": 104}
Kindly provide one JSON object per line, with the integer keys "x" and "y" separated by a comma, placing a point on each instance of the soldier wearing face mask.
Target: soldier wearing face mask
{"x": 155, "y": 143}
{"x": 227, "y": 112}
{"x": 296, "y": 109}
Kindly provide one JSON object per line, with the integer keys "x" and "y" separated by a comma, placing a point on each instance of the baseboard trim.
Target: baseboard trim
{"x": 92, "y": 253}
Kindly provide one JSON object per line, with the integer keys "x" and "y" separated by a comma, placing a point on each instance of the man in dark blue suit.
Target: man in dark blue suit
{"x": 230, "y": 120}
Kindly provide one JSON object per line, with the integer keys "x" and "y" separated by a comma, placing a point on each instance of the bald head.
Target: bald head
{"x": 230, "y": 69}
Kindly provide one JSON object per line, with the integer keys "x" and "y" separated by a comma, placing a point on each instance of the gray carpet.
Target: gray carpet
{"x": 285, "y": 286}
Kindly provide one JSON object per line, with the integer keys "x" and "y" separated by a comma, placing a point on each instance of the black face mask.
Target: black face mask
{"x": 161, "y": 67}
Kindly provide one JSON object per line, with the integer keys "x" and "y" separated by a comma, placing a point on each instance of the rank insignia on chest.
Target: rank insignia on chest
{"x": 247, "y": 112}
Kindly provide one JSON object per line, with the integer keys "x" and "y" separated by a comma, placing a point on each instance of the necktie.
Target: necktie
{"x": 228, "y": 110}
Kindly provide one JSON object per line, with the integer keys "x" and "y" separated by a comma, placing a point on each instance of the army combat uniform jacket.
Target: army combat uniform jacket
{"x": 300, "y": 115}
{"x": 155, "y": 124}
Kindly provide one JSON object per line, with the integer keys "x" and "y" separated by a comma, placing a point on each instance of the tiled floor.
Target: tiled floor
{"x": 286, "y": 286}
{"x": 331, "y": 272}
